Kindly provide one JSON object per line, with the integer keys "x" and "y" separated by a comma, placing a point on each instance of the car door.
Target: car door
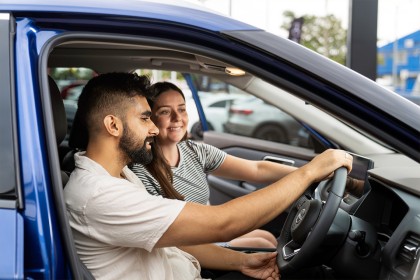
{"x": 222, "y": 190}
{"x": 11, "y": 203}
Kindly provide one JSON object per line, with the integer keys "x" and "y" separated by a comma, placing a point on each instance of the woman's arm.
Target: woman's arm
{"x": 262, "y": 171}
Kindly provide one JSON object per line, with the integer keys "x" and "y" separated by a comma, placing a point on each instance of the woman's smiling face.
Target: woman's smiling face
{"x": 170, "y": 116}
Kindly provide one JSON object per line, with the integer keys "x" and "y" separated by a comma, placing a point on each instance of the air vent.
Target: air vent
{"x": 409, "y": 248}
{"x": 408, "y": 253}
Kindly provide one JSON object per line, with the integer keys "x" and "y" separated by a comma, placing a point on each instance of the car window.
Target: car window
{"x": 229, "y": 109}
{"x": 256, "y": 118}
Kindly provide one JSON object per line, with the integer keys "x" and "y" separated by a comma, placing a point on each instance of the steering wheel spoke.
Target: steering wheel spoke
{"x": 290, "y": 250}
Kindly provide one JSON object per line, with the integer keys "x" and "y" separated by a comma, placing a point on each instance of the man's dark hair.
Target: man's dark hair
{"x": 105, "y": 94}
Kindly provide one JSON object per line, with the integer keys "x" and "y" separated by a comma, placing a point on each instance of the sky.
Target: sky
{"x": 396, "y": 18}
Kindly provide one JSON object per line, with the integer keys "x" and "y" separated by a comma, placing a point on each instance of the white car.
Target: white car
{"x": 255, "y": 118}
{"x": 216, "y": 109}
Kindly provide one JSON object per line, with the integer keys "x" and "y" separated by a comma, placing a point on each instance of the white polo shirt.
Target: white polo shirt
{"x": 116, "y": 224}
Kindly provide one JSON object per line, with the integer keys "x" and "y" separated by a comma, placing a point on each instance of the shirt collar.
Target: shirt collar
{"x": 84, "y": 162}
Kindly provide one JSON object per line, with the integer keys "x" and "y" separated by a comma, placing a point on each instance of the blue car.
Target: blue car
{"x": 373, "y": 234}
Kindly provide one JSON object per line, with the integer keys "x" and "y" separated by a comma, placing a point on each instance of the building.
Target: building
{"x": 399, "y": 65}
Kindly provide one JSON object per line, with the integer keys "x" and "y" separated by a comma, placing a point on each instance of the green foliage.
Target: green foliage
{"x": 73, "y": 73}
{"x": 324, "y": 35}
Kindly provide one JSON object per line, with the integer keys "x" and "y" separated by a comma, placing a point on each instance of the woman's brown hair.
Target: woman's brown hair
{"x": 159, "y": 167}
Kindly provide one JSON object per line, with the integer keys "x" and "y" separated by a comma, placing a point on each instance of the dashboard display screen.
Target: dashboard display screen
{"x": 357, "y": 184}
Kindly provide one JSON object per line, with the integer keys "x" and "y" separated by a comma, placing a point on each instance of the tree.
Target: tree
{"x": 325, "y": 35}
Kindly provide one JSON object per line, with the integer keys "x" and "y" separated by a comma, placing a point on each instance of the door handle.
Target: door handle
{"x": 280, "y": 160}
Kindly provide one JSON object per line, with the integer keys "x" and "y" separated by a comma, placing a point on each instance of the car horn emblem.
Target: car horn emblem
{"x": 300, "y": 216}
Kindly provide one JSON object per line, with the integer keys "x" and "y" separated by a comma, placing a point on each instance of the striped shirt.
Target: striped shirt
{"x": 190, "y": 176}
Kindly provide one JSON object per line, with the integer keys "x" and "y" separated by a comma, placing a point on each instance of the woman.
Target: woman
{"x": 184, "y": 164}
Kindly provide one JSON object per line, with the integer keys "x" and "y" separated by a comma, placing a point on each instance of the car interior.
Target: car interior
{"x": 379, "y": 211}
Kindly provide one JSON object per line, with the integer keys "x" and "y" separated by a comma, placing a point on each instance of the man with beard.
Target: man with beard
{"x": 123, "y": 232}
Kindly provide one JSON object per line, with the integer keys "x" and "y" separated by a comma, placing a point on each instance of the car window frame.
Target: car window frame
{"x": 78, "y": 269}
{"x": 10, "y": 192}
{"x": 11, "y": 197}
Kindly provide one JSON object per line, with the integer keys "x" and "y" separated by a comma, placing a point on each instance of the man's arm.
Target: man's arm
{"x": 200, "y": 224}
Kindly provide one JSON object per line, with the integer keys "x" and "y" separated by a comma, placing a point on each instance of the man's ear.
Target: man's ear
{"x": 113, "y": 125}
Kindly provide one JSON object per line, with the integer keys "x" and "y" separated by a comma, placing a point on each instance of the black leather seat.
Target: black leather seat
{"x": 60, "y": 122}
{"x": 59, "y": 113}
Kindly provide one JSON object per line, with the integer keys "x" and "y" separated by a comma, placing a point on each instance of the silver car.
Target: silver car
{"x": 216, "y": 108}
{"x": 255, "y": 118}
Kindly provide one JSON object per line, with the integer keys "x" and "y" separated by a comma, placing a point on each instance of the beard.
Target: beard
{"x": 134, "y": 152}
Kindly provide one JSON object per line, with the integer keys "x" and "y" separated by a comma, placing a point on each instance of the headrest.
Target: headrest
{"x": 59, "y": 113}
{"x": 78, "y": 137}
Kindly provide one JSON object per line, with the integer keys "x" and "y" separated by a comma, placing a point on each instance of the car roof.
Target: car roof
{"x": 199, "y": 16}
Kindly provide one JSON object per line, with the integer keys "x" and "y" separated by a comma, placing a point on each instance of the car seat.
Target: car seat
{"x": 60, "y": 122}
{"x": 66, "y": 153}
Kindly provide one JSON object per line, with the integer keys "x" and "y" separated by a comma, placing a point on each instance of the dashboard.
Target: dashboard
{"x": 395, "y": 216}
{"x": 388, "y": 211}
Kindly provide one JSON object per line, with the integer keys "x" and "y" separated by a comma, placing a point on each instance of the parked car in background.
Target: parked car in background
{"x": 255, "y": 118}
{"x": 216, "y": 108}
{"x": 70, "y": 95}
{"x": 370, "y": 235}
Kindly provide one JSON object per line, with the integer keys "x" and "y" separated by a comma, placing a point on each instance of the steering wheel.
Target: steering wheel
{"x": 307, "y": 225}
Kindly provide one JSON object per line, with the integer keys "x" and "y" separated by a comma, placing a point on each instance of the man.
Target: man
{"x": 121, "y": 231}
